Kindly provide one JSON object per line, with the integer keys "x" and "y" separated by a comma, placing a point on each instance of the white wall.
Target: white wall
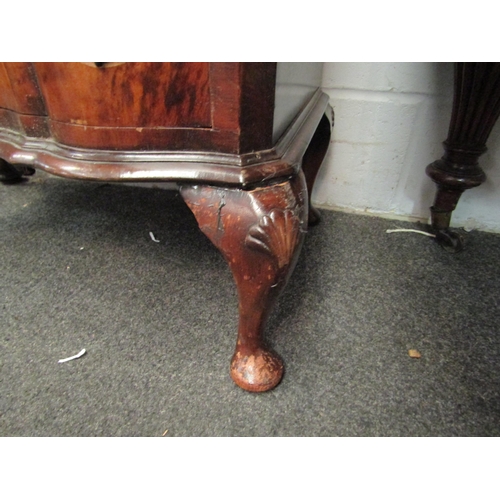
{"x": 390, "y": 121}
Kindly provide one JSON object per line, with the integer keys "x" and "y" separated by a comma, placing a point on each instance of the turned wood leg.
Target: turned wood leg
{"x": 312, "y": 160}
{"x": 11, "y": 174}
{"x": 260, "y": 233}
{"x": 476, "y": 108}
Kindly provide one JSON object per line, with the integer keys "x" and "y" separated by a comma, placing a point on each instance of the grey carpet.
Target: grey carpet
{"x": 158, "y": 320}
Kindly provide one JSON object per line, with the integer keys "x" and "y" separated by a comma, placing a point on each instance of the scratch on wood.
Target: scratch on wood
{"x": 222, "y": 204}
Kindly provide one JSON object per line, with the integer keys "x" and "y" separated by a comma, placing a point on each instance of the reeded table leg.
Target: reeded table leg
{"x": 260, "y": 233}
{"x": 476, "y": 108}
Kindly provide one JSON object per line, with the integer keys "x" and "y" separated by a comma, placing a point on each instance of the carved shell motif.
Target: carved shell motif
{"x": 276, "y": 234}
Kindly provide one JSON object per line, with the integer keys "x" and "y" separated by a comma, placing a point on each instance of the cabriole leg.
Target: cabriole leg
{"x": 260, "y": 233}
{"x": 10, "y": 174}
{"x": 312, "y": 160}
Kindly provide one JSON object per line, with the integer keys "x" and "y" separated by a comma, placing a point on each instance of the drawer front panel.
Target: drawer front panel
{"x": 127, "y": 94}
{"x": 211, "y": 107}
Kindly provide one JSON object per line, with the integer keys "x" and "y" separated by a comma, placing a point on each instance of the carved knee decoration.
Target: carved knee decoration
{"x": 260, "y": 233}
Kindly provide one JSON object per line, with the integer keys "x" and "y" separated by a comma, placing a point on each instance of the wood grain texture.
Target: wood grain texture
{"x": 24, "y": 82}
{"x": 243, "y": 102}
{"x": 476, "y": 105}
{"x": 22, "y": 109}
{"x": 137, "y": 165}
{"x": 128, "y": 95}
{"x": 284, "y": 159}
{"x": 257, "y": 106}
{"x": 476, "y": 109}
{"x": 260, "y": 233}
{"x": 131, "y": 106}
{"x": 154, "y": 106}
{"x": 143, "y": 138}
{"x": 21, "y": 104}
{"x": 7, "y": 96}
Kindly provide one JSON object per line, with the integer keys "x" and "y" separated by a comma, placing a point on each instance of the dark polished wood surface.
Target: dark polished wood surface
{"x": 476, "y": 108}
{"x": 200, "y": 107}
{"x": 127, "y": 95}
{"x": 165, "y": 165}
{"x": 207, "y": 127}
{"x": 260, "y": 233}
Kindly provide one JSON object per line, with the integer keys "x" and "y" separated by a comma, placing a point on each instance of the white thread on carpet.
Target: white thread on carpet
{"x": 79, "y": 355}
{"x": 410, "y": 231}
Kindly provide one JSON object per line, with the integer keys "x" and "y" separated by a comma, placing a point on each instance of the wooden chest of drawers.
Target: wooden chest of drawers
{"x": 241, "y": 141}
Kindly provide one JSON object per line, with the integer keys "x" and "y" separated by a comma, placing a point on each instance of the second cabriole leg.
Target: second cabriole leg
{"x": 10, "y": 174}
{"x": 260, "y": 233}
{"x": 313, "y": 158}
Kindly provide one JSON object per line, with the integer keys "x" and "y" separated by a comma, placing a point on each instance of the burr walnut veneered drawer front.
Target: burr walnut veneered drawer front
{"x": 127, "y": 94}
{"x": 129, "y": 106}
{"x": 19, "y": 91}
{"x": 163, "y": 106}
